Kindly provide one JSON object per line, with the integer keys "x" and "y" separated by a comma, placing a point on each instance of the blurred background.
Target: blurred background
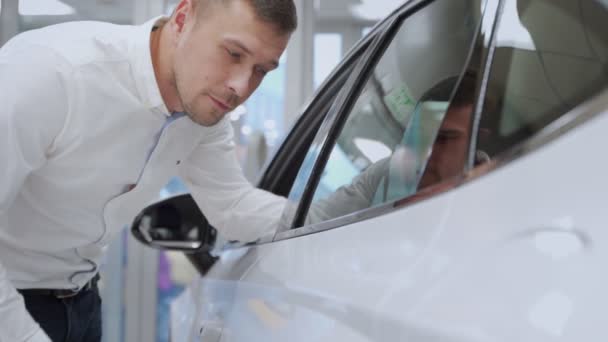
{"x": 133, "y": 310}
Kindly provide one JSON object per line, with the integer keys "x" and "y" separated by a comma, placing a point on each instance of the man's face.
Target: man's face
{"x": 221, "y": 58}
{"x": 450, "y": 148}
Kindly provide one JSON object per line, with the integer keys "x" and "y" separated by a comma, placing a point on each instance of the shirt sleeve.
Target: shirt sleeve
{"x": 34, "y": 108}
{"x": 357, "y": 195}
{"x": 238, "y": 210}
{"x": 16, "y": 323}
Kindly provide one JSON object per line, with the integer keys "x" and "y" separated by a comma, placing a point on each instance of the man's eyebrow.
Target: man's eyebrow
{"x": 239, "y": 44}
{"x": 275, "y": 64}
{"x": 450, "y": 131}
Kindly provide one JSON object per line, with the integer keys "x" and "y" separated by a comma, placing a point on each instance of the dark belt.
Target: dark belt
{"x": 61, "y": 293}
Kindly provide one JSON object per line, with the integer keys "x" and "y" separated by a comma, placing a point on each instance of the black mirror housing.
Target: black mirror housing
{"x": 175, "y": 224}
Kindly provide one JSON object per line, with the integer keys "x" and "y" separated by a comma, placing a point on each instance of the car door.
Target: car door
{"x": 351, "y": 272}
{"x": 527, "y": 240}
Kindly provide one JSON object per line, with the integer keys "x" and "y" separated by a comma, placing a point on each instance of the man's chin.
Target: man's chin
{"x": 428, "y": 180}
{"x": 205, "y": 120}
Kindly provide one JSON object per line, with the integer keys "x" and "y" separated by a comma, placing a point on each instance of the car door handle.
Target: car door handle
{"x": 210, "y": 332}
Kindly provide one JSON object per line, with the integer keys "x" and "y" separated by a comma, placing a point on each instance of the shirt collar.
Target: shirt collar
{"x": 141, "y": 59}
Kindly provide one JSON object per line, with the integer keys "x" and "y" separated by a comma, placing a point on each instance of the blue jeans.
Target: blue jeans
{"x": 74, "y": 319}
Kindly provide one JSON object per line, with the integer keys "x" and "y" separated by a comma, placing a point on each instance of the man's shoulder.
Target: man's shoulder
{"x": 79, "y": 42}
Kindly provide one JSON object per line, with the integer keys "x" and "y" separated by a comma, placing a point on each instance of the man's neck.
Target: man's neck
{"x": 162, "y": 70}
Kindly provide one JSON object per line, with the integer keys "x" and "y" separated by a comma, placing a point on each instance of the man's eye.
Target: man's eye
{"x": 233, "y": 54}
{"x": 261, "y": 71}
{"x": 444, "y": 138}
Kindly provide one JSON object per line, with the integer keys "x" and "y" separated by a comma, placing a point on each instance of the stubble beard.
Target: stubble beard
{"x": 199, "y": 119}
{"x": 189, "y": 110}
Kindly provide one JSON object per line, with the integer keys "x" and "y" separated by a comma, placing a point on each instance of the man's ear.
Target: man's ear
{"x": 182, "y": 10}
{"x": 180, "y": 20}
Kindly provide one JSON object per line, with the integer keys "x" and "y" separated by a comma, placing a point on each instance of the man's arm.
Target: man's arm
{"x": 231, "y": 204}
{"x": 33, "y": 108}
{"x": 347, "y": 199}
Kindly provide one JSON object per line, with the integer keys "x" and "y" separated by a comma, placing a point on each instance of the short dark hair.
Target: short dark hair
{"x": 463, "y": 95}
{"x": 443, "y": 90}
{"x": 280, "y": 13}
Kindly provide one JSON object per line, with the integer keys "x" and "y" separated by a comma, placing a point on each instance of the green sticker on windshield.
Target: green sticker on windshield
{"x": 399, "y": 101}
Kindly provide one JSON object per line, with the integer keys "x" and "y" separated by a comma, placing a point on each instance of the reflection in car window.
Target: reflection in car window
{"x": 551, "y": 55}
{"x": 383, "y": 149}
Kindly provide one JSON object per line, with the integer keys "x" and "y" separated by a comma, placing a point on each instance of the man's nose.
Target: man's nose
{"x": 238, "y": 82}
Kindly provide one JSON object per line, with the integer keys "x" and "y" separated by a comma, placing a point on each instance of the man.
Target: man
{"x": 95, "y": 119}
{"x": 450, "y": 150}
{"x": 397, "y": 177}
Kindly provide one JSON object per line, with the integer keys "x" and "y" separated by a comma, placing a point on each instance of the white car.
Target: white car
{"x": 448, "y": 184}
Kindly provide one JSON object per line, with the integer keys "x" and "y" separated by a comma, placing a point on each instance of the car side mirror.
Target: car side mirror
{"x": 175, "y": 223}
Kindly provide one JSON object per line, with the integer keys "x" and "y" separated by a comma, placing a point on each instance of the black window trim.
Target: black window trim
{"x": 483, "y": 88}
{"x": 323, "y": 134}
{"x": 281, "y": 159}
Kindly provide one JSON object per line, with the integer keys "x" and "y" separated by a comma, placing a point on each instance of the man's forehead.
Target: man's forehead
{"x": 237, "y": 24}
{"x": 457, "y": 117}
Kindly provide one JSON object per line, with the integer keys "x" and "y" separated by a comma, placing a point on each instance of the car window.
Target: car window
{"x": 383, "y": 149}
{"x": 289, "y": 160}
{"x": 551, "y": 55}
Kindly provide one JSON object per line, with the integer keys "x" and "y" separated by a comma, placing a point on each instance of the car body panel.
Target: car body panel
{"x": 305, "y": 279}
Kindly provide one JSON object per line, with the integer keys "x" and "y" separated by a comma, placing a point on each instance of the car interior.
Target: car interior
{"x": 532, "y": 83}
{"x": 391, "y": 112}
{"x": 562, "y": 61}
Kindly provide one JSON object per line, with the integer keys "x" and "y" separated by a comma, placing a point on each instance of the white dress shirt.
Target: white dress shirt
{"x": 80, "y": 112}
